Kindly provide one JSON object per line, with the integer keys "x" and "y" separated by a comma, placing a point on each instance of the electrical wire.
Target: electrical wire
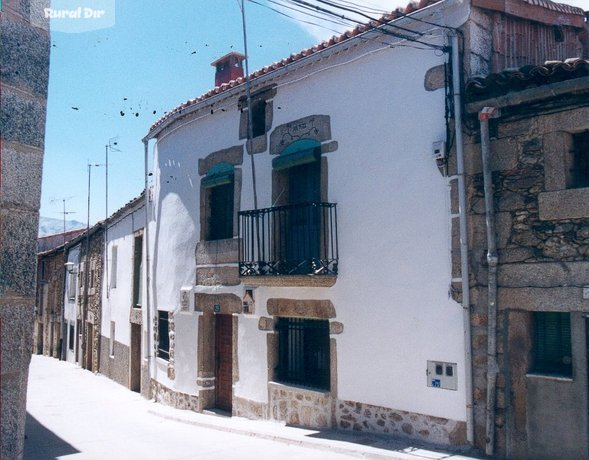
{"x": 381, "y": 29}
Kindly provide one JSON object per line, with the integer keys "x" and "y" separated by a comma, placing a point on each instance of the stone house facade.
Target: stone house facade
{"x": 265, "y": 295}
{"x": 47, "y": 335}
{"x": 24, "y": 54}
{"x": 90, "y": 248}
{"x": 539, "y": 170}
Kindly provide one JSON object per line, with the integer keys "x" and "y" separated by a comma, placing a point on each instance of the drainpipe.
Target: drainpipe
{"x": 492, "y": 369}
{"x": 147, "y": 260}
{"x": 456, "y": 88}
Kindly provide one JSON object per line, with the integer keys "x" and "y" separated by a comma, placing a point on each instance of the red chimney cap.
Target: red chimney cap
{"x": 238, "y": 56}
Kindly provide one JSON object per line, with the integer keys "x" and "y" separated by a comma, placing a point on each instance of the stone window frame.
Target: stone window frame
{"x": 138, "y": 269}
{"x": 541, "y": 363}
{"x": 162, "y": 351}
{"x": 305, "y": 309}
{"x": 265, "y": 95}
{"x": 232, "y": 156}
{"x": 559, "y": 201}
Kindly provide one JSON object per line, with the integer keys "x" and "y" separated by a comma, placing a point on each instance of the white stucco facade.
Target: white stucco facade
{"x": 392, "y": 309}
{"x": 71, "y": 303}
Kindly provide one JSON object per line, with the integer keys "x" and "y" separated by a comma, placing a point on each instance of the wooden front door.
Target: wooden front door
{"x": 224, "y": 362}
{"x": 135, "y": 371}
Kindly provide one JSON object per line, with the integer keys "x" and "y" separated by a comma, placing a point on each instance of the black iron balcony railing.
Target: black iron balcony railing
{"x": 298, "y": 239}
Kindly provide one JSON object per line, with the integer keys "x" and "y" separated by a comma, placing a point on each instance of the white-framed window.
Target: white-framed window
{"x": 112, "y": 339}
{"x": 113, "y": 266}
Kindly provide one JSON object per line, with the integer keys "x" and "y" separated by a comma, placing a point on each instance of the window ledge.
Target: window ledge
{"x": 558, "y": 378}
{"x": 564, "y": 204}
{"x": 290, "y": 281}
{"x": 299, "y": 388}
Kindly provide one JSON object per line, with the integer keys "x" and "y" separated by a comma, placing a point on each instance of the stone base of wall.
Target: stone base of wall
{"x": 300, "y": 406}
{"x": 117, "y": 367}
{"x": 246, "y": 408}
{"x": 357, "y": 416}
{"x": 146, "y": 387}
{"x": 175, "y": 399}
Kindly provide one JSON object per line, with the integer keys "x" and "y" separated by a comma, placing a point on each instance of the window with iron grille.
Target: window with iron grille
{"x": 552, "y": 343}
{"x": 303, "y": 352}
{"x": 163, "y": 345}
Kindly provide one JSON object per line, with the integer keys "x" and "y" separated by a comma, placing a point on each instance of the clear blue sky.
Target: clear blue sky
{"x": 156, "y": 56}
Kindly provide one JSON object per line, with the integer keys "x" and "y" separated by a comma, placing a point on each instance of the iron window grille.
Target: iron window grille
{"x": 163, "y": 344}
{"x": 303, "y": 352}
{"x": 552, "y": 344}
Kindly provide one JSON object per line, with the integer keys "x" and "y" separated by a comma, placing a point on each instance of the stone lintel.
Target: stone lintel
{"x": 232, "y": 155}
{"x": 228, "y": 303}
{"x": 290, "y": 281}
{"x": 217, "y": 276}
{"x": 217, "y": 251}
{"x": 563, "y": 299}
{"x": 266, "y": 324}
{"x": 564, "y": 204}
{"x": 322, "y": 309}
{"x": 544, "y": 274}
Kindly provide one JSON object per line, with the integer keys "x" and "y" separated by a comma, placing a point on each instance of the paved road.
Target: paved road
{"x": 74, "y": 414}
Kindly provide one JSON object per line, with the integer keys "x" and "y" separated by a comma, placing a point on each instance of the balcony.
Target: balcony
{"x": 286, "y": 241}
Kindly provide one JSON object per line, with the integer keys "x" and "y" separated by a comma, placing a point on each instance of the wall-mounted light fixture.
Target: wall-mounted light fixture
{"x": 69, "y": 266}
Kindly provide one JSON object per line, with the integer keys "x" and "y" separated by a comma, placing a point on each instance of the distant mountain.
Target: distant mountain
{"x": 51, "y": 226}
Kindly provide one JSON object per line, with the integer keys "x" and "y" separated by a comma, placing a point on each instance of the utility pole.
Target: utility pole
{"x": 112, "y": 142}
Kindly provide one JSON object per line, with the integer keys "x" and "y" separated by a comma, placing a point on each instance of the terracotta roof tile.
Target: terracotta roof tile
{"x": 399, "y": 12}
{"x": 530, "y": 76}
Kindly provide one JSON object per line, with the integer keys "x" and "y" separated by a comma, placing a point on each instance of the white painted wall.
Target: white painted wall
{"x": 393, "y": 222}
{"x": 71, "y": 306}
{"x": 118, "y": 301}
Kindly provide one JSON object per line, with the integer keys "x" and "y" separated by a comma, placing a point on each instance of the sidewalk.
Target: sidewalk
{"x": 366, "y": 445}
{"x": 74, "y": 414}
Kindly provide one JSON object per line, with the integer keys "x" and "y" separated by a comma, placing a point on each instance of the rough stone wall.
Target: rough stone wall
{"x": 93, "y": 309}
{"x": 23, "y": 87}
{"x": 300, "y": 407}
{"x": 358, "y": 416}
{"x": 117, "y": 367}
{"x": 543, "y": 261}
{"x": 246, "y": 408}
{"x": 176, "y": 399}
{"x": 50, "y": 282}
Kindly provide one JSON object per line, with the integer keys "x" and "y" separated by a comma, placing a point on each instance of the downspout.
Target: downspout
{"x": 147, "y": 259}
{"x": 485, "y": 114}
{"x": 456, "y": 89}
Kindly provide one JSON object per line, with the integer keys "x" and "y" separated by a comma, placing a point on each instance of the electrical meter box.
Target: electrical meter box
{"x": 442, "y": 375}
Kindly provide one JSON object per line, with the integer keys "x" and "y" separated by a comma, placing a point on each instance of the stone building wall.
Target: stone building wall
{"x": 115, "y": 367}
{"x": 543, "y": 249}
{"x": 23, "y": 87}
{"x": 49, "y": 305}
{"x": 92, "y": 309}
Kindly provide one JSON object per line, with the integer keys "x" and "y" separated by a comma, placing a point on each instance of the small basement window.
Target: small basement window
{"x": 552, "y": 344}
{"x": 578, "y": 176}
{"x": 163, "y": 344}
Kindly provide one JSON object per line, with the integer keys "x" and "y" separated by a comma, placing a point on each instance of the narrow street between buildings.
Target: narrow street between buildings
{"x": 74, "y": 414}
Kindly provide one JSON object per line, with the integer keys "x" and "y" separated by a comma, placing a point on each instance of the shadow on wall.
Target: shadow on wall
{"x": 43, "y": 444}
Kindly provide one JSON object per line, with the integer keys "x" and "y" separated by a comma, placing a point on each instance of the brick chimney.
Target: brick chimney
{"x": 228, "y": 67}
